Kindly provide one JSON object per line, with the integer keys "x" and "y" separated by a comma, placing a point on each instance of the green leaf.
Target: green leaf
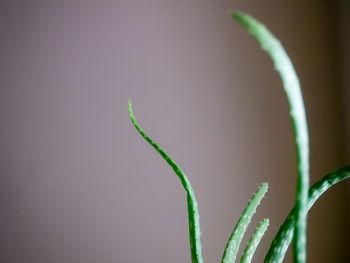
{"x": 193, "y": 215}
{"x": 297, "y": 112}
{"x": 285, "y": 234}
{"x": 254, "y": 242}
{"x": 235, "y": 239}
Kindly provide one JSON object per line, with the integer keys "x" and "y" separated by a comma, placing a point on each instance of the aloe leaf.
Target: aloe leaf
{"x": 193, "y": 215}
{"x": 254, "y": 242}
{"x": 235, "y": 239}
{"x": 285, "y": 234}
{"x": 297, "y": 112}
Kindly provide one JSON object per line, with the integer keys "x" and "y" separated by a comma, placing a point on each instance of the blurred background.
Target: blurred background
{"x": 79, "y": 184}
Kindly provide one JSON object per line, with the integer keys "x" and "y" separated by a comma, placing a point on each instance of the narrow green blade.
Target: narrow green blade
{"x": 235, "y": 239}
{"x": 254, "y": 242}
{"x": 193, "y": 215}
{"x": 297, "y": 112}
{"x": 285, "y": 234}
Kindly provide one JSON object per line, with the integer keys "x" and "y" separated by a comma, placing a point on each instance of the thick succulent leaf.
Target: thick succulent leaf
{"x": 285, "y": 234}
{"x": 235, "y": 239}
{"x": 193, "y": 215}
{"x": 297, "y": 112}
{"x": 254, "y": 242}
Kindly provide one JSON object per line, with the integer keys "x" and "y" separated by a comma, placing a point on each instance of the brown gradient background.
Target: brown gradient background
{"x": 78, "y": 184}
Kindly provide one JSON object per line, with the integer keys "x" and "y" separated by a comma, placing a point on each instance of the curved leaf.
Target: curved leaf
{"x": 297, "y": 113}
{"x": 193, "y": 214}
